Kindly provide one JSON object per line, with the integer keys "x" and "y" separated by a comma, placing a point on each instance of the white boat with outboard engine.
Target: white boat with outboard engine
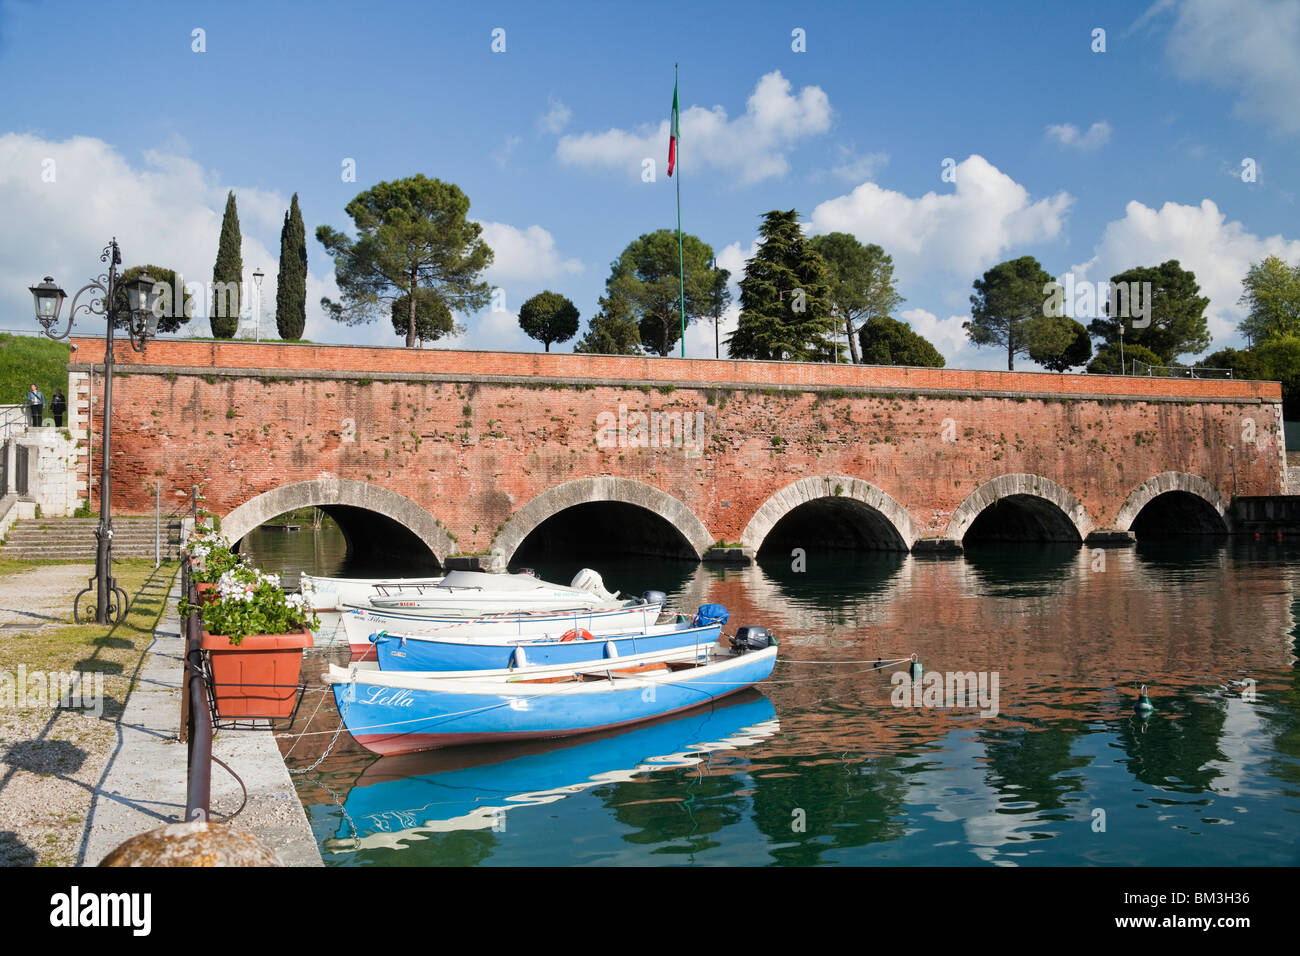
{"x": 473, "y": 593}
{"x": 330, "y": 594}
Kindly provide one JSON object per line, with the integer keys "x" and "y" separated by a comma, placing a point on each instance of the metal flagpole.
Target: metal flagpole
{"x": 681, "y": 269}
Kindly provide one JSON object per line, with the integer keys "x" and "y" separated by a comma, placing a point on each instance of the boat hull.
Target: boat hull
{"x": 331, "y": 594}
{"x": 361, "y": 624}
{"x": 392, "y": 720}
{"x": 415, "y": 653}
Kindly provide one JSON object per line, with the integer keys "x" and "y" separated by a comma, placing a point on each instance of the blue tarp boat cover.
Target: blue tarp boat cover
{"x": 711, "y": 614}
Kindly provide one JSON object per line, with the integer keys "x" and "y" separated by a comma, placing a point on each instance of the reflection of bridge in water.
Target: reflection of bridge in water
{"x": 1070, "y": 639}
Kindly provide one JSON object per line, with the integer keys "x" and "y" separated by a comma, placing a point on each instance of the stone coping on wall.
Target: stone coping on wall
{"x": 293, "y": 361}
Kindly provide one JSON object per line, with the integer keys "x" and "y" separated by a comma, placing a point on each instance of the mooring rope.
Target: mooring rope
{"x": 692, "y": 685}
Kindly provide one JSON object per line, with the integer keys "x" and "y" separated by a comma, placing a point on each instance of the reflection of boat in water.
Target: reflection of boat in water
{"x": 399, "y": 798}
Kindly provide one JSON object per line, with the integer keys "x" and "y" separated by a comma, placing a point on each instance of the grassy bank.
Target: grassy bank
{"x": 90, "y": 647}
{"x": 26, "y": 359}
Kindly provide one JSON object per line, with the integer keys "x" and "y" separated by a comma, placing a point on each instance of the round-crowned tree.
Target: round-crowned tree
{"x": 549, "y": 317}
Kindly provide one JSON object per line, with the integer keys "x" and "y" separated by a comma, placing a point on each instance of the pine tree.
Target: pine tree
{"x": 291, "y": 285}
{"x": 785, "y": 308}
{"x": 611, "y": 331}
{"x": 227, "y": 274}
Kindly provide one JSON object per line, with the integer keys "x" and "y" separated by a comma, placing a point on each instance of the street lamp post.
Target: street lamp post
{"x": 141, "y": 325}
{"x": 257, "y": 281}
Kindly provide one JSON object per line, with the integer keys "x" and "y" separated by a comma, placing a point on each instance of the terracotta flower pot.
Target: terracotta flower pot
{"x": 207, "y": 592}
{"x": 259, "y": 678}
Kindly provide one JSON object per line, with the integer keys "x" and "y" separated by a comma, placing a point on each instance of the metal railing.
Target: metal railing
{"x": 13, "y": 421}
{"x": 1179, "y": 371}
{"x": 196, "y": 717}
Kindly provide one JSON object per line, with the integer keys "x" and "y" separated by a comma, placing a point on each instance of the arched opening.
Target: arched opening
{"x": 605, "y": 515}
{"x": 1178, "y": 513}
{"x": 633, "y": 548}
{"x": 603, "y": 529}
{"x": 337, "y": 540}
{"x": 829, "y": 513}
{"x": 1175, "y": 505}
{"x": 1021, "y": 518}
{"x": 1019, "y": 508}
{"x": 832, "y": 524}
{"x": 378, "y": 531}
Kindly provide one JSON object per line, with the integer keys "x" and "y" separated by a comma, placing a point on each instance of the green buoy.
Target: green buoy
{"x": 916, "y": 669}
{"x": 1144, "y": 707}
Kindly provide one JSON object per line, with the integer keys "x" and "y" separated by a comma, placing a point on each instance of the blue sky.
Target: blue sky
{"x": 1093, "y": 162}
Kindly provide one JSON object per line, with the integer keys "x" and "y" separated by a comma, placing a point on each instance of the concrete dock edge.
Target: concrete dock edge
{"x": 144, "y": 785}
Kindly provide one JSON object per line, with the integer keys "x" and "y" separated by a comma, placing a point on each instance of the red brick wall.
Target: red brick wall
{"x": 192, "y": 413}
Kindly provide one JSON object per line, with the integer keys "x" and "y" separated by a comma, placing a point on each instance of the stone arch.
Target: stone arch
{"x": 605, "y": 488}
{"x": 1167, "y": 481}
{"x": 1007, "y": 486}
{"x": 808, "y": 490}
{"x": 339, "y": 492}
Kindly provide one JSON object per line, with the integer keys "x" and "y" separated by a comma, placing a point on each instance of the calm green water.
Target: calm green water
{"x": 821, "y": 767}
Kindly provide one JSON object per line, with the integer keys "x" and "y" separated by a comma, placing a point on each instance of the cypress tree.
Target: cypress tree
{"x": 291, "y": 285}
{"x": 227, "y": 275}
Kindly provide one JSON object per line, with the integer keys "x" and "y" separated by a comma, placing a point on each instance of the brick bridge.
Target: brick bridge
{"x": 491, "y": 453}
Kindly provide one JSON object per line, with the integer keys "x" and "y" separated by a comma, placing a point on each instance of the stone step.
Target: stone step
{"x": 118, "y": 533}
{"x": 73, "y": 539}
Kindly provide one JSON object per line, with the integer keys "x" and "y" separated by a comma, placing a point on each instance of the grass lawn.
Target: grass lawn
{"x": 25, "y": 359}
{"x": 113, "y": 651}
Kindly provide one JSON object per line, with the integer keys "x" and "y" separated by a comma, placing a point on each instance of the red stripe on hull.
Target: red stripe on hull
{"x": 388, "y": 744}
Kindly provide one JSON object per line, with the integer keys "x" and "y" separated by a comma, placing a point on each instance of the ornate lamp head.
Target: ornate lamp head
{"x": 142, "y": 300}
{"x": 49, "y": 302}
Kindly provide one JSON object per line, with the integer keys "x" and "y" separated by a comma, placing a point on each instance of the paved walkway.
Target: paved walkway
{"x": 144, "y": 785}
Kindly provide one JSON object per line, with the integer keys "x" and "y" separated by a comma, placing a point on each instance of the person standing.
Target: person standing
{"x": 35, "y": 405}
{"x": 58, "y": 405}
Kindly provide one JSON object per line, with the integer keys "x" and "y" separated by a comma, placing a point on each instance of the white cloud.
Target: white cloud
{"x": 1219, "y": 252}
{"x": 1247, "y": 45}
{"x": 525, "y": 255}
{"x": 700, "y": 338}
{"x": 733, "y": 259}
{"x": 750, "y": 148}
{"x": 948, "y": 336}
{"x": 493, "y": 331}
{"x": 964, "y": 231}
{"x": 556, "y": 116}
{"x": 502, "y": 156}
{"x": 857, "y": 169}
{"x": 1067, "y": 135}
{"x": 167, "y": 212}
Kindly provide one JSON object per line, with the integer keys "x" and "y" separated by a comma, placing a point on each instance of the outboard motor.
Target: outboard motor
{"x": 654, "y": 597}
{"x": 589, "y": 580}
{"x": 752, "y": 638}
{"x": 711, "y": 614}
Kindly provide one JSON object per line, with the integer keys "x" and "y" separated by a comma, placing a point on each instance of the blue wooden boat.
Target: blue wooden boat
{"x": 391, "y": 713}
{"x": 421, "y": 652}
{"x": 362, "y": 624}
{"x": 400, "y": 801}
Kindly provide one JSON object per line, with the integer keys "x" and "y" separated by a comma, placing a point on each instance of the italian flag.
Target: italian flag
{"x": 673, "y": 133}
